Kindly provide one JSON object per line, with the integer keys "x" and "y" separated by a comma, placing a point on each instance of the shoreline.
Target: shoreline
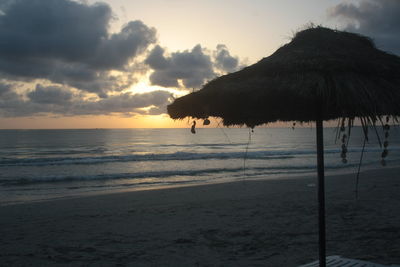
{"x": 281, "y": 176}
{"x": 243, "y": 223}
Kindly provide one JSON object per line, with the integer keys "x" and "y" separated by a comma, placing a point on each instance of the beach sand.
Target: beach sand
{"x": 248, "y": 223}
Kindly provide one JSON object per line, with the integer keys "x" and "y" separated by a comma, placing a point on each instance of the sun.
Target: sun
{"x": 144, "y": 86}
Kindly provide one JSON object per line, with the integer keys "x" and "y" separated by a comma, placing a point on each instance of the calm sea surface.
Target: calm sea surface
{"x": 49, "y": 164}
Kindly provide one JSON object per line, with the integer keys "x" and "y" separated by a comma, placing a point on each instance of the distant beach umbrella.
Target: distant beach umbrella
{"x": 322, "y": 74}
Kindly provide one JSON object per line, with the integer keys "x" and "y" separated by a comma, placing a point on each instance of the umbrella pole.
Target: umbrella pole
{"x": 321, "y": 192}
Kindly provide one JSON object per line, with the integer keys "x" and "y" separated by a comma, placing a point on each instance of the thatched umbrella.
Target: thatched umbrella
{"x": 322, "y": 74}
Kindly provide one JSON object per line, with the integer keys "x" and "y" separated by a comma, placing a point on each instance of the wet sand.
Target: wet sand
{"x": 249, "y": 223}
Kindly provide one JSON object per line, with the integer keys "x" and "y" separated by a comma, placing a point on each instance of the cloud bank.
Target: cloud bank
{"x": 189, "y": 68}
{"x": 58, "y": 100}
{"x": 379, "y": 19}
{"x": 68, "y": 43}
{"x": 59, "y": 57}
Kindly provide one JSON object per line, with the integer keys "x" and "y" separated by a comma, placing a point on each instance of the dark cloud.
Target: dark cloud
{"x": 60, "y": 101}
{"x": 53, "y": 29}
{"x": 192, "y": 67}
{"x": 4, "y": 89}
{"x": 224, "y": 61}
{"x": 50, "y": 95}
{"x": 67, "y": 42}
{"x": 126, "y": 103}
{"x": 379, "y": 19}
{"x": 10, "y": 101}
{"x": 133, "y": 39}
{"x": 156, "y": 59}
{"x": 73, "y": 74}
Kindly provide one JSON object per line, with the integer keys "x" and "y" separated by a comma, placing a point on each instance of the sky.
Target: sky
{"x": 119, "y": 63}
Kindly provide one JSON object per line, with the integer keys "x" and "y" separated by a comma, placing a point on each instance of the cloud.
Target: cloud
{"x": 59, "y": 57}
{"x": 133, "y": 39}
{"x": 50, "y": 95}
{"x": 192, "y": 67}
{"x": 224, "y": 61}
{"x": 379, "y": 19}
{"x": 68, "y": 42}
{"x": 4, "y": 89}
{"x": 58, "y": 100}
{"x": 126, "y": 103}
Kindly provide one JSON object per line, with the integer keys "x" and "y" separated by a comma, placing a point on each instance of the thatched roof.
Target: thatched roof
{"x": 344, "y": 73}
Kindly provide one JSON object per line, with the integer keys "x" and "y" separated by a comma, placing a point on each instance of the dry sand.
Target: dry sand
{"x": 251, "y": 223}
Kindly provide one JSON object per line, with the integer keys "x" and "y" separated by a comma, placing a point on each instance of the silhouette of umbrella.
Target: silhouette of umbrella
{"x": 322, "y": 74}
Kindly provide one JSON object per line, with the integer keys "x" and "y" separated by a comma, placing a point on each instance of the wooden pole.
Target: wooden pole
{"x": 321, "y": 192}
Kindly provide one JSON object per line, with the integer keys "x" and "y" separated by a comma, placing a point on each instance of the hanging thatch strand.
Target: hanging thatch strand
{"x": 321, "y": 71}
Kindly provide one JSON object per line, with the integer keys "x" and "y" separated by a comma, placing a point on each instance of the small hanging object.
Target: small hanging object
{"x": 206, "y": 122}
{"x": 343, "y": 155}
{"x": 385, "y": 144}
{"x": 193, "y": 129}
{"x": 385, "y": 151}
{"x": 342, "y": 127}
{"x": 294, "y": 124}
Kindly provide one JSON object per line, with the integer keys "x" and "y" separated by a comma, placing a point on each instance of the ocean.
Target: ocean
{"x": 39, "y": 165}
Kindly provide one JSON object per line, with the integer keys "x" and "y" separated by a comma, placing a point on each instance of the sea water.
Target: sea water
{"x": 49, "y": 164}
